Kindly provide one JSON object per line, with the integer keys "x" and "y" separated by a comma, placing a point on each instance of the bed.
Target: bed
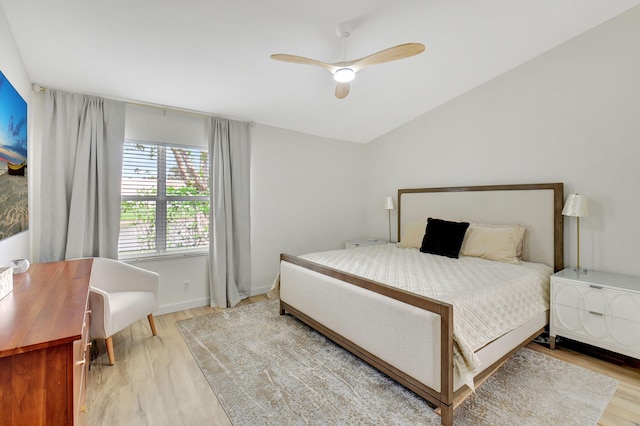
{"x": 420, "y": 340}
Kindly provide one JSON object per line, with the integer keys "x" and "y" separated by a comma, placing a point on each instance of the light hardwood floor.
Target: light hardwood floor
{"x": 156, "y": 381}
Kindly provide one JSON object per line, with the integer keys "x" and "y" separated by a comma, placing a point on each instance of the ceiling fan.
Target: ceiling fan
{"x": 345, "y": 71}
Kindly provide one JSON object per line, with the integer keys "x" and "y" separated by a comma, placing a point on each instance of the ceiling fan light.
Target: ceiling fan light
{"x": 344, "y": 75}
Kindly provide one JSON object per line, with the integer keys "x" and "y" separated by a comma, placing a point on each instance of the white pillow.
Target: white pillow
{"x": 412, "y": 235}
{"x": 502, "y": 243}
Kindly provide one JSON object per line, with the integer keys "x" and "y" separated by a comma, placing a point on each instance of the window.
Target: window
{"x": 165, "y": 199}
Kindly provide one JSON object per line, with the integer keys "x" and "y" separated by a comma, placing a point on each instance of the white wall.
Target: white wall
{"x": 169, "y": 126}
{"x": 571, "y": 115}
{"x": 307, "y": 194}
{"x": 11, "y": 65}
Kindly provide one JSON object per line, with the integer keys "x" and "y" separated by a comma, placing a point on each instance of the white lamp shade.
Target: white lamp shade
{"x": 576, "y": 205}
{"x": 389, "y": 204}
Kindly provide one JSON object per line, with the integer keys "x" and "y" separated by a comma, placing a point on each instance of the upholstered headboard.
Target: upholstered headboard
{"x": 538, "y": 207}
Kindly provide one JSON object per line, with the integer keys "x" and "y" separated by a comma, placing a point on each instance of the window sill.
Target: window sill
{"x": 152, "y": 257}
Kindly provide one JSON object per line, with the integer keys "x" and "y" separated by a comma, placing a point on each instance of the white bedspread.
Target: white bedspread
{"x": 489, "y": 298}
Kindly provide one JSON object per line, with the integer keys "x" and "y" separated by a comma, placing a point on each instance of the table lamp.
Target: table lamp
{"x": 388, "y": 206}
{"x": 576, "y": 206}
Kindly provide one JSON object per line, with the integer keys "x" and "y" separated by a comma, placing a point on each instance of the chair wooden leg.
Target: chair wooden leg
{"x": 152, "y": 324}
{"x": 110, "y": 353}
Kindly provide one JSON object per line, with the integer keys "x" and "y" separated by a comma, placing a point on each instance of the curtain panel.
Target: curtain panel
{"x": 81, "y": 173}
{"x": 230, "y": 219}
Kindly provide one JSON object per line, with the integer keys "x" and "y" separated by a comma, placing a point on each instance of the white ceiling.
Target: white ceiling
{"x": 212, "y": 56}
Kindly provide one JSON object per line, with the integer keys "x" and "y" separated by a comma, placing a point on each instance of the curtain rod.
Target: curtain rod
{"x": 38, "y": 88}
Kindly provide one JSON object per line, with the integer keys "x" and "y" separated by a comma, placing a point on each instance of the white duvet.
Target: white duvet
{"x": 489, "y": 298}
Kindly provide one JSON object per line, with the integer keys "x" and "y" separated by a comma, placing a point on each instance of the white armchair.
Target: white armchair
{"x": 120, "y": 294}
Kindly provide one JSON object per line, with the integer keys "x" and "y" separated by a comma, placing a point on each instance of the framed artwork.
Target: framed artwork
{"x": 14, "y": 209}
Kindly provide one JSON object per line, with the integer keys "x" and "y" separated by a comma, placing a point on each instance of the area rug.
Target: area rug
{"x": 268, "y": 369}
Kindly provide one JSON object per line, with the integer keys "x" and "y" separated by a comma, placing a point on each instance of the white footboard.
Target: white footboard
{"x": 402, "y": 335}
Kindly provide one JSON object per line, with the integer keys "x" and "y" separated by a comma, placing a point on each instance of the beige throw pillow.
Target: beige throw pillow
{"x": 412, "y": 235}
{"x": 502, "y": 243}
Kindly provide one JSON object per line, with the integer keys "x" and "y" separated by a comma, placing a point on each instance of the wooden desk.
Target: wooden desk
{"x": 44, "y": 328}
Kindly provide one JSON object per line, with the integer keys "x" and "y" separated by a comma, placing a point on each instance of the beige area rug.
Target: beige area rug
{"x": 268, "y": 369}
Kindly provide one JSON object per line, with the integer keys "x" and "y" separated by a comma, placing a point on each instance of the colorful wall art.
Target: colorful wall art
{"x": 14, "y": 211}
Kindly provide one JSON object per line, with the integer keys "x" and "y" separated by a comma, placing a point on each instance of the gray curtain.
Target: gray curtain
{"x": 81, "y": 172}
{"x": 230, "y": 226}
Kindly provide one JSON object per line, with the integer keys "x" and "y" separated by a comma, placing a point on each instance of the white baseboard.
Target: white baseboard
{"x": 197, "y": 303}
{"x": 259, "y": 290}
{"x": 175, "y": 307}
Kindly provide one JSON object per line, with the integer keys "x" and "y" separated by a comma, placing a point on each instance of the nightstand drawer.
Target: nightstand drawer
{"x": 595, "y": 301}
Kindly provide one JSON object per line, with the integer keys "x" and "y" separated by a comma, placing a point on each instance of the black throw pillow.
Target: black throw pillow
{"x": 443, "y": 237}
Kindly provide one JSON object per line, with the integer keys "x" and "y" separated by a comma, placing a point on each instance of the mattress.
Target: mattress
{"x": 489, "y": 298}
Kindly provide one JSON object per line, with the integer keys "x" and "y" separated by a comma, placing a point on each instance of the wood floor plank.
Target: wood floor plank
{"x": 624, "y": 407}
{"x": 156, "y": 381}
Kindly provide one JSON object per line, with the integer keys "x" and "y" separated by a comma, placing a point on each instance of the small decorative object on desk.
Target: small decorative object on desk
{"x": 20, "y": 265}
{"x": 6, "y": 281}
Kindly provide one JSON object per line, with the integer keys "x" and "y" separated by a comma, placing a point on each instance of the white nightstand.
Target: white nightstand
{"x": 597, "y": 308}
{"x": 364, "y": 243}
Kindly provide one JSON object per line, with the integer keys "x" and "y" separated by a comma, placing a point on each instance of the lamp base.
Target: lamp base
{"x": 580, "y": 270}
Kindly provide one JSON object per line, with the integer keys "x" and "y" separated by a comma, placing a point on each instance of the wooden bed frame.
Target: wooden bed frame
{"x": 447, "y": 398}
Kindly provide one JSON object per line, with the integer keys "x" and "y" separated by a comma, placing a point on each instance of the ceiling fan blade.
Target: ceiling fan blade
{"x": 302, "y": 60}
{"x": 342, "y": 90}
{"x": 387, "y": 55}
